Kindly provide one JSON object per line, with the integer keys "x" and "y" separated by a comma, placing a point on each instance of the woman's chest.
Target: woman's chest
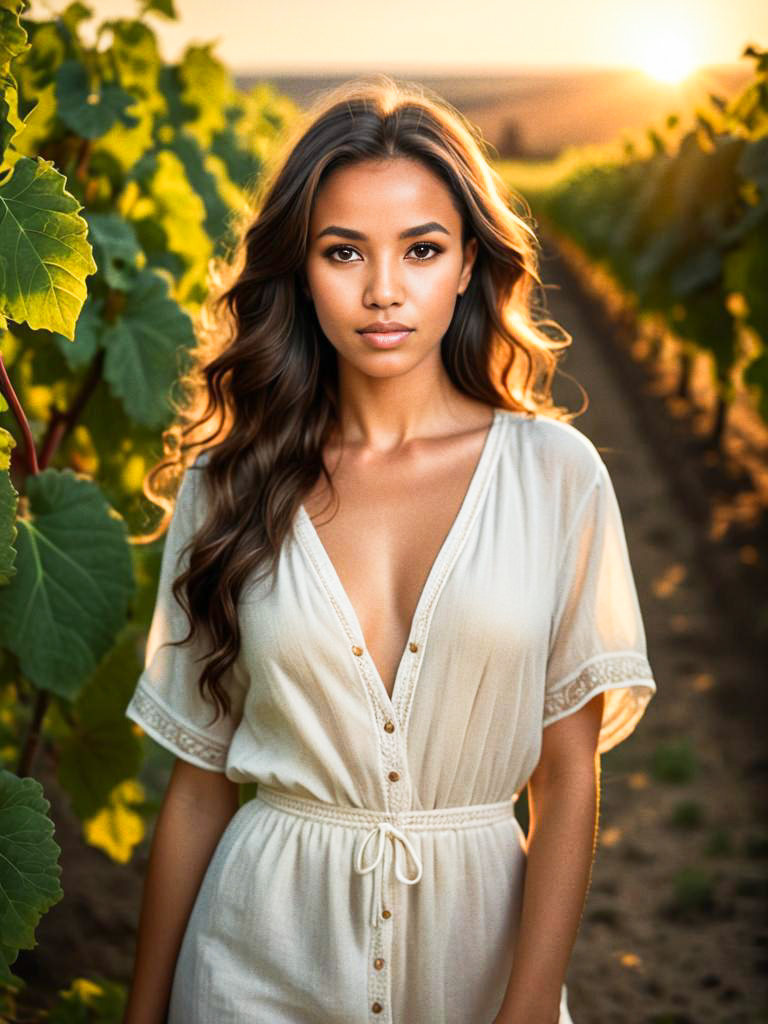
{"x": 486, "y": 600}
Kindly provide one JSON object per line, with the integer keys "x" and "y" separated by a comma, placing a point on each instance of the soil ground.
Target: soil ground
{"x": 675, "y": 929}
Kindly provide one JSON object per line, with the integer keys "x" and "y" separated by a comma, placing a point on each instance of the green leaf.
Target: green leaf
{"x": 45, "y": 256}
{"x": 116, "y": 249}
{"x": 164, "y": 7}
{"x": 209, "y": 186}
{"x": 29, "y": 868}
{"x": 707, "y": 322}
{"x": 754, "y": 162}
{"x": 13, "y": 38}
{"x": 98, "y": 748}
{"x": 90, "y": 111}
{"x": 90, "y": 324}
{"x": 177, "y": 213}
{"x": 145, "y": 350}
{"x": 136, "y": 60}
{"x": 10, "y": 122}
{"x": 8, "y": 502}
{"x": 746, "y": 272}
{"x": 74, "y": 14}
{"x": 61, "y": 612}
{"x": 125, "y": 450}
{"x": 207, "y": 90}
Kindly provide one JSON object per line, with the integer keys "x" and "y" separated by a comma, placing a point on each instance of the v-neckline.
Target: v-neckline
{"x": 436, "y": 577}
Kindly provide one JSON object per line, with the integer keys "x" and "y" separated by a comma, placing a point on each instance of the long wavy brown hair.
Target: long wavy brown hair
{"x": 264, "y": 376}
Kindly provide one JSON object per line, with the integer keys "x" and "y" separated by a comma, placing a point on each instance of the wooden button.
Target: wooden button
{"x": 412, "y": 646}
{"x": 377, "y": 1007}
{"x": 386, "y": 913}
{"x": 378, "y": 963}
{"x": 393, "y": 776}
{"x": 357, "y": 650}
{"x": 389, "y": 727}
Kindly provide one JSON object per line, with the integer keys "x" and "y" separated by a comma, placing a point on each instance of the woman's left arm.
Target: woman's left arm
{"x": 563, "y": 802}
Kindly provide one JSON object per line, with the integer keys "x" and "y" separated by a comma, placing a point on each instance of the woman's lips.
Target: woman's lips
{"x": 384, "y": 339}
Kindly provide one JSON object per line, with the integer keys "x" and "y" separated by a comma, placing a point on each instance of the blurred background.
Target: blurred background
{"x": 533, "y": 77}
{"x": 636, "y": 136}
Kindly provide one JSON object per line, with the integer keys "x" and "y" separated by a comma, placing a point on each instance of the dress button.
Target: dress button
{"x": 412, "y": 646}
{"x": 389, "y": 727}
{"x": 386, "y": 913}
{"x": 394, "y": 776}
{"x": 378, "y": 963}
{"x": 377, "y": 1007}
{"x": 357, "y": 650}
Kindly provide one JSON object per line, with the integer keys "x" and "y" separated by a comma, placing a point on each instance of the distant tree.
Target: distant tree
{"x": 511, "y": 144}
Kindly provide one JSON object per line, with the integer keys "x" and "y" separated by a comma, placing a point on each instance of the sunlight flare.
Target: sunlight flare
{"x": 666, "y": 57}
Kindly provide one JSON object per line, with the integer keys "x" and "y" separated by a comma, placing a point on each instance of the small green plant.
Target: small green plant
{"x": 687, "y": 815}
{"x": 693, "y": 893}
{"x": 674, "y": 762}
{"x": 720, "y": 843}
{"x": 90, "y": 1001}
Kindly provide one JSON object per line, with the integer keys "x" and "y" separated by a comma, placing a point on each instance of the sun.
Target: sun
{"x": 666, "y": 58}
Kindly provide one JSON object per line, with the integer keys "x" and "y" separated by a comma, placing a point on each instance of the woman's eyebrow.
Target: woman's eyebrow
{"x": 358, "y": 236}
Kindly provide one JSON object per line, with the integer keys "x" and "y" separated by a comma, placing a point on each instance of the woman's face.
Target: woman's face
{"x": 385, "y": 245}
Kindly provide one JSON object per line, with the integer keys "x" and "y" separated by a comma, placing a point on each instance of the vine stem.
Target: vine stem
{"x": 61, "y": 423}
{"x": 32, "y": 739}
{"x": 30, "y": 452}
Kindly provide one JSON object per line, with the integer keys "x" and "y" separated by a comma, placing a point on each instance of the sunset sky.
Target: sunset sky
{"x": 667, "y": 37}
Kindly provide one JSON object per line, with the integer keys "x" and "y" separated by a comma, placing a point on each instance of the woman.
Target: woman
{"x": 464, "y": 623}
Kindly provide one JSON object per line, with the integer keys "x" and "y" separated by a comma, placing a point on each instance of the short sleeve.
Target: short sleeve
{"x": 167, "y": 702}
{"x": 597, "y": 639}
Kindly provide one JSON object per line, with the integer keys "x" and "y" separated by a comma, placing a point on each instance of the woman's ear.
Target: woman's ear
{"x": 470, "y": 255}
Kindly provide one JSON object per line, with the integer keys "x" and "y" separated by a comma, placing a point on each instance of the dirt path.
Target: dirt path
{"x": 675, "y": 929}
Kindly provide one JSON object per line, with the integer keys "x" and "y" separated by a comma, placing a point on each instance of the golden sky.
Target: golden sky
{"x": 455, "y": 36}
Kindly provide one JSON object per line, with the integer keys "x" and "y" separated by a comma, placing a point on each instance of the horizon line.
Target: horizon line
{"x": 466, "y": 69}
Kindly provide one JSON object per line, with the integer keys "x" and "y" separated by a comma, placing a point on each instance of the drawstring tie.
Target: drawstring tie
{"x": 384, "y": 829}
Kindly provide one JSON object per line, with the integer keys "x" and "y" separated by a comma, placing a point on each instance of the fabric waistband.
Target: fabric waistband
{"x": 388, "y": 825}
{"x": 358, "y": 817}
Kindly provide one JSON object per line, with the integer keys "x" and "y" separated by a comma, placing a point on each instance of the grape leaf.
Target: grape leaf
{"x": 45, "y": 255}
{"x": 80, "y": 352}
{"x": 746, "y": 272}
{"x": 13, "y": 38}
{"x": 144, "y": 347}
{"x": 29, "y": 868}
{"x": 98, "y": 747}
{"x": 62, "y": 610}
{"x": 90, "y": 111}
{"x": 116, "y": 248}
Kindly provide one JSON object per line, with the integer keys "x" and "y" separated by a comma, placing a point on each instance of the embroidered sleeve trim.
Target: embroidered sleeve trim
{"x": 183, "y": 739}
{"x": 609, "y": 671}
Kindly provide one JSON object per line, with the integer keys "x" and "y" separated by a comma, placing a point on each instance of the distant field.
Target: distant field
{"x": 538, "y": 113}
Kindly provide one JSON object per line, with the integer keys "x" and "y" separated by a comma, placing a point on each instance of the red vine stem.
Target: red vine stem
{"x": 30, "y": 452}
{"x": 61, "y": 423}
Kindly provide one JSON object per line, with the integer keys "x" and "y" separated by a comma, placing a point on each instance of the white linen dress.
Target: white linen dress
{"x": 378, "y": 873}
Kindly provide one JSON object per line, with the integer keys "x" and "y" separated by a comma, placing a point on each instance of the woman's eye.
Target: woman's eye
{"x": 429, "y": 246}
{"x": 341, "y": 248}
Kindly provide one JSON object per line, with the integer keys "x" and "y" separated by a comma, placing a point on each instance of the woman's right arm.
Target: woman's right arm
{"x": 197, "y": 807}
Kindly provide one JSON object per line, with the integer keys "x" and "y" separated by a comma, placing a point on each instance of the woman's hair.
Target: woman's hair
{"x": 264, "y": 375}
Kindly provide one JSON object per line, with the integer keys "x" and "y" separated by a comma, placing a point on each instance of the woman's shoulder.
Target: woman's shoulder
{"x": 556, "y": 448}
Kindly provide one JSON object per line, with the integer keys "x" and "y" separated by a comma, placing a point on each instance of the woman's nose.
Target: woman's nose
{"x": 384, "y": 286}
